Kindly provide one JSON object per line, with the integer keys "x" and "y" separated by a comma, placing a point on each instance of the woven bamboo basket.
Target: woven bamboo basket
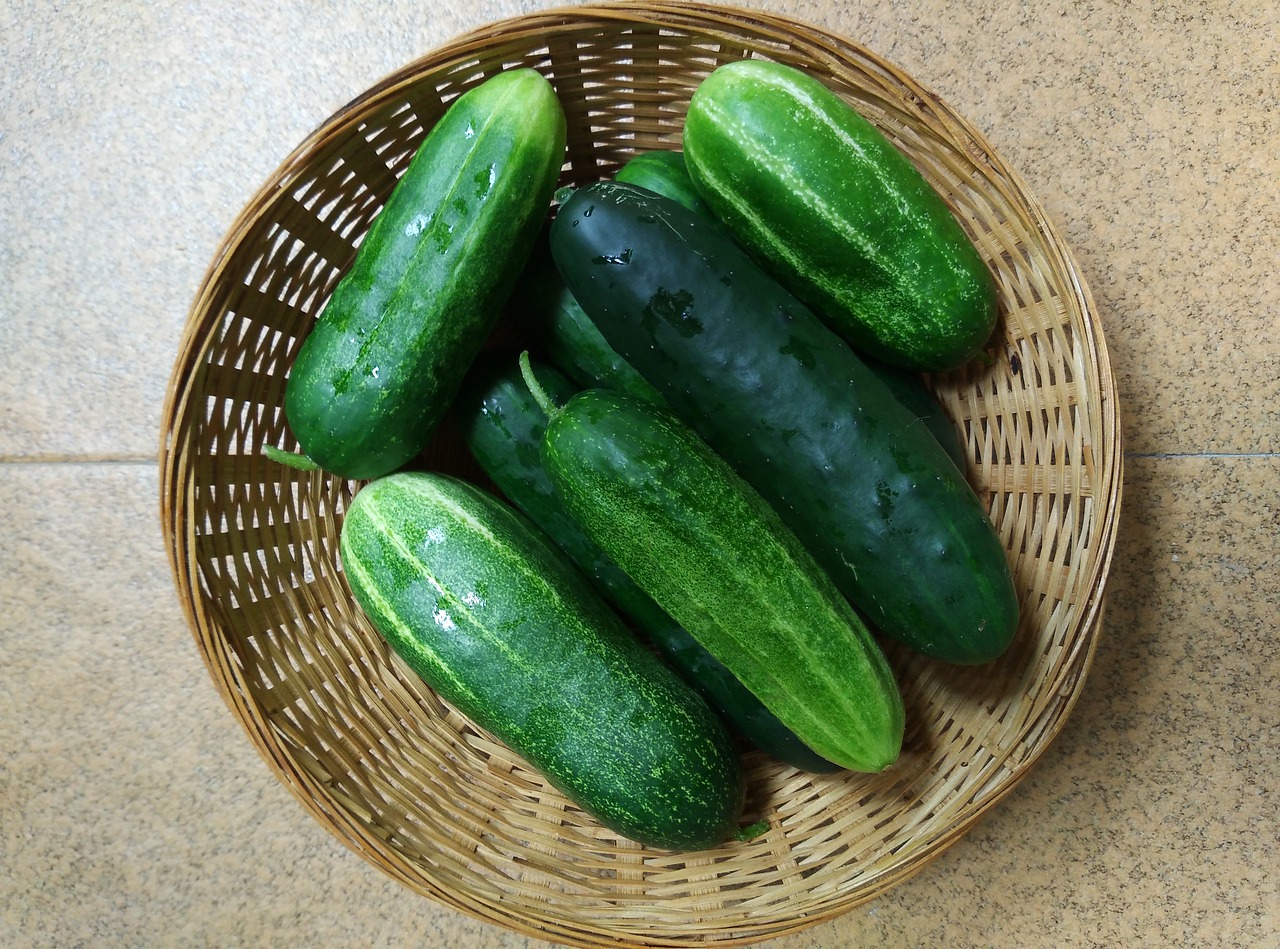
{"x": 417, "y": 789}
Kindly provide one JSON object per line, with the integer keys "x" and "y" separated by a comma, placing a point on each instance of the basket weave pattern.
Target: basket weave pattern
{"x": 416, "y": 788}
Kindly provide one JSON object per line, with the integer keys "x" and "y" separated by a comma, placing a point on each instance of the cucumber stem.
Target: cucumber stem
{"x": 545, "y": 402}
{"x": 292, "y": 459}
{"x": 751, "y": 831}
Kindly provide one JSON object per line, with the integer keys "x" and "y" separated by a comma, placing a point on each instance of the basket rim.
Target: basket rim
{"x": 177, "y": 474}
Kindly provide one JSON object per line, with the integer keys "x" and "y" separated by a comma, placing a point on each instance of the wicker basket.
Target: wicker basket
{"x": 414, "y": 787}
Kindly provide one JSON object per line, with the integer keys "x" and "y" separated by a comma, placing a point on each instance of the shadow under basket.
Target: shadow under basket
{"x": 413, "y": 786}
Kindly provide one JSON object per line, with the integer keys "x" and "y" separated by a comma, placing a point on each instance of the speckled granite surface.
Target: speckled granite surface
{"x": 136, "y": 811}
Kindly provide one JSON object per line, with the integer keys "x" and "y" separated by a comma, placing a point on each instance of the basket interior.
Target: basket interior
{"x": 415, "y": 787}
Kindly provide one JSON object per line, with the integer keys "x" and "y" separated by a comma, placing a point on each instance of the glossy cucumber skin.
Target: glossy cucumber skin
{"x": 839, "y": 215}
{"x": 382, "y": 362}
{"x": 495, "y": 619}
{"x": 503, "y": 426}
{"x": 855, "y": 474}
{"x": 709, "y": 550}
{"x": 909, "y": 389}
{"x": 575, "y": 344}
{"x": 664, "y": 172}
{"x": 565, "y": 334}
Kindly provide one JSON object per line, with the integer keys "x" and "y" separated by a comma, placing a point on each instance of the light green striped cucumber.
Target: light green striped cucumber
{"x": 503, "y": 427}
{"x": 712, "y": 553}
{"x": 492, "y": 616}
{"x": 839, "y": 215}
{"x": 385, "y": 358}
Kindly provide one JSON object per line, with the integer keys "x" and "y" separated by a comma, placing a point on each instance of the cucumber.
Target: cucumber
{"x": 743, "y": 712}
{"x": 386, "y": 356}
{"x": 855, "y": 474}
{"x": 713, "y": 554}
{"x": 503, "y": 426}
{"x": 908, "y": 388}
{"x": 828, "y": 205}
{"x": 666, "y": 173}
{"x": 495, "y": 619}
{"x": 565, "y": 334}
{"x": 574, "y": 343}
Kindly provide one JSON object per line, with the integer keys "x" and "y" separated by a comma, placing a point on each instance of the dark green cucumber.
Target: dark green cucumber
{"x": 839, "y": 215}
{"x": 503, "y": 426}
{"x": 495, "y": 619}
{"x": 909, "y": 389}
{"x": 665, "y": 173}
{"x": 855, "y": 474}
{"x": 576, "y": 346}
{"x": 383, "y": 361}
{"x": 566, "y": 335}
{"x": 713, "y": 554}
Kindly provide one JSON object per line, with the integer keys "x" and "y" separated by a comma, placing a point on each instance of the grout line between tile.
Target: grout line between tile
{"x": 1202, "y": 454}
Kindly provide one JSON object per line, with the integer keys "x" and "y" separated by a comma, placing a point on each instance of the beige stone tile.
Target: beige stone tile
{"x": 135, "y": 132}
{"x": 1152, "y": 819}
{"x": 136, "y": 811}
{"x": 1140, "y": 128}
{"x": 132, "y": 135}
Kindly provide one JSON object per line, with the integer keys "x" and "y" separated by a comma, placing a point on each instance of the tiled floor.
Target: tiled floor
{"x": 137, "y": 812}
